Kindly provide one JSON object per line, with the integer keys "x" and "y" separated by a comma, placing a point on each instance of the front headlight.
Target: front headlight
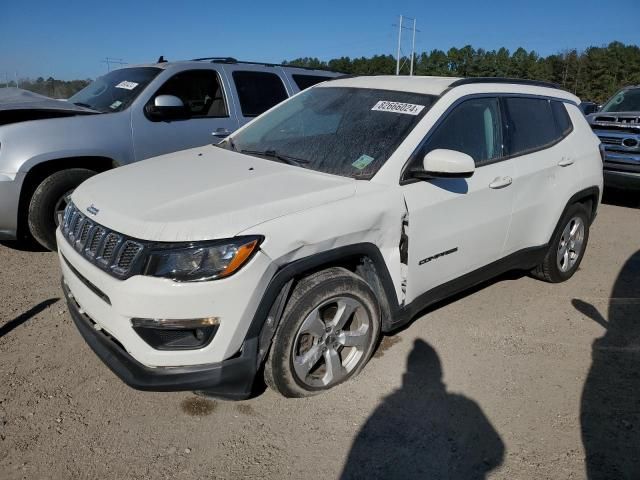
{"x": 202, "y": 261}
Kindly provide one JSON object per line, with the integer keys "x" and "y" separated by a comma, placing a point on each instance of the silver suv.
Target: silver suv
{"x": 48, "y": 147}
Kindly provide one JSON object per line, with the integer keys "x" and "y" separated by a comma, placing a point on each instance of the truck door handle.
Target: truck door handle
{"x": 221, "y": 132}
{"x": 565, "y": 162}
{"x": 501, "y": 182}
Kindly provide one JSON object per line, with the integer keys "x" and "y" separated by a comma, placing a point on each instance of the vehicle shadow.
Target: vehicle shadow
{"x": 621, "y": 198}
{"x": 20, "y": 319}
{"x": 423, "y": 431}
{"x": 23, "y": 245}
{"x": 610, "y": 404}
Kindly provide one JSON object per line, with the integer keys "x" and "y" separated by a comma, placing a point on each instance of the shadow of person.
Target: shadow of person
{"x": 610, "y": 404}
{"x": 423, "y": 431}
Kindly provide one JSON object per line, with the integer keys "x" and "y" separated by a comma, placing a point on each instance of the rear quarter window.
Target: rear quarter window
{"x": 306, "y": 81}
{"x": 563, "y": 121}
{"x": 258, "y": 91}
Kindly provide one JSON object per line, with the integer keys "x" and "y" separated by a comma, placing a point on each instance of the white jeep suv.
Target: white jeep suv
{"x": 334, "y": 217}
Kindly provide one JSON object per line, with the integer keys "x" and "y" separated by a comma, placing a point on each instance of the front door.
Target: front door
{"x": 208, "y": 120}
{"x": 458, "y": 225}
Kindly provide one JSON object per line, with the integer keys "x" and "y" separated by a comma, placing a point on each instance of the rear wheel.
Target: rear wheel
{"x": 48, "y": 202}
{"x": 567, "y": 246}
{"x": 328, "y": 332}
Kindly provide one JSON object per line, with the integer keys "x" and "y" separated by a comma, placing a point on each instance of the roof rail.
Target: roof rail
{"x": 216, "y": 59}
{"x": 266, "y": 64}
{"x": 516, "y": 81}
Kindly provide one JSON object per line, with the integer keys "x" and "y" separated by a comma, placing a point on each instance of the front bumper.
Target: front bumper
{"x": 9, "y": 200}
{"x": 622, "y": 170}
{"x": 232, "y": 378}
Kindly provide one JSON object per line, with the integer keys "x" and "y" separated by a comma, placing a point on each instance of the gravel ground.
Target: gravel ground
{"x": 504, "y": 382}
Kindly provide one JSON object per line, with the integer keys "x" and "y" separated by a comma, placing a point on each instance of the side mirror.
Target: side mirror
{"x": 166, "y": 107}
{"x": 442, "y": 163}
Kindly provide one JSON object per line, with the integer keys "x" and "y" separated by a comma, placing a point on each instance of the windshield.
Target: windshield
{"x": 624, "y": 101}
{"x": 343, "y": 131}
{"x": 116, "y": 90}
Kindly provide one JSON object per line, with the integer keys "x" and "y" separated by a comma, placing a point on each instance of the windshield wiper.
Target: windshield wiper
{"x": 86, "y": 105}
{"x": 274, "y": 154}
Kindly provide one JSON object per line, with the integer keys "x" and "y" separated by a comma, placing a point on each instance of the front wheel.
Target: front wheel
{"x": 328, "y": 332}
{"x": 567, "y": 246}
{"x": 49, "y": 201}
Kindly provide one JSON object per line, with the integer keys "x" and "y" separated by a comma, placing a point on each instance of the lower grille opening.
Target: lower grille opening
{"x": 177, "y": 338}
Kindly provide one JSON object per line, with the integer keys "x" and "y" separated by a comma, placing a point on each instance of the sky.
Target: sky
{"x": 70, "y": 40}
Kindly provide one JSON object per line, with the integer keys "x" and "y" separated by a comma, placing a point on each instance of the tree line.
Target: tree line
{"x": 50, "y": 87}
{"x": 593, "y": 74}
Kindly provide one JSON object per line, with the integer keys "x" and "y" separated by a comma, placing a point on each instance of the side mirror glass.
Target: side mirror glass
{"x": 442, "y": 163}
{"x": 166, "y": 107}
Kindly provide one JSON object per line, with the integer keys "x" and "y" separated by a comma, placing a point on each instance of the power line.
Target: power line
{"x": 115, "y": 61}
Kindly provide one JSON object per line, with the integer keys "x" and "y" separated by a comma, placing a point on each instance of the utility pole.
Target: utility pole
{"x": 413, "y": 42}
{"x": 413, "y": 47}
{"x": 17, "y": 83}
{"x": 115, "y": 61}
{"x": 399, "y": 40}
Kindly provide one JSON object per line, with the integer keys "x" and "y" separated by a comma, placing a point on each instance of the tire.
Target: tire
{"x": 49, "y": 196}
{"x": 321, "y": 297}
{"x": 553, "y": 269}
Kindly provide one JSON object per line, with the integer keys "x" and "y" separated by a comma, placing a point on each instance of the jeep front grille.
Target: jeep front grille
{"x": 110, "y": 251}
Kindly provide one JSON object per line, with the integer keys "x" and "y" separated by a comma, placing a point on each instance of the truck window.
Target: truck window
{"x": 306, "y": 81}
{"x": 199, "y": 90}
{"x": 258, "y": 91}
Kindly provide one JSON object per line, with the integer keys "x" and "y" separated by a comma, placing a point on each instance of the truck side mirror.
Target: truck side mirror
{"x": 166, "y": 107}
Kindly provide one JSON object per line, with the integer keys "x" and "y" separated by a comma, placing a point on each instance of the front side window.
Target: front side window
{"x": 350, "y": 132}
{"x": 116, "y": 90}
{"x": 473, "y": 127}
{"x": 624, "y": 101}
{"x": 258, "y": 91}
{"x": 530, "y": 123}
{"x": 199, "y": 90}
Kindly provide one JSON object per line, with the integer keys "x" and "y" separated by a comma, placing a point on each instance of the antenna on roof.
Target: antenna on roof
{"x": 161, "y": 59}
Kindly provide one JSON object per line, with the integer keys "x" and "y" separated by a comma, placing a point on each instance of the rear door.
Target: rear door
{"x": 545, "y": 167}
{"x": 210, "y": 119}
{"x": 458, "y": 225}
{"x": 256, "y": 88}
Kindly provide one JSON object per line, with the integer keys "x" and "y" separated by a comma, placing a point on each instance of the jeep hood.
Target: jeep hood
{"x": 17, "y": 105}
{"x": 203, "y": 193}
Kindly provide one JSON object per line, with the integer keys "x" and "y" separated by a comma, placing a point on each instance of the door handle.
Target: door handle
{"x": 221, "y": 132}
{"x": 565, "y": 162}
{"x": 501, "y": 182}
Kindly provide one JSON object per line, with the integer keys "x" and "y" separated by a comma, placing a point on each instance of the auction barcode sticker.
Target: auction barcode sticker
{"x": 127, "y": 85}
{"x": 397, "y": 107}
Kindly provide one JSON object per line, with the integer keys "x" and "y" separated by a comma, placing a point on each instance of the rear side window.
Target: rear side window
{"x": 563, "y": 121}
{"x": 474, "y": 127}
{"x": 306, "y": 81}
{"x": 258, "y": 91}
{"x": 530, "y": 124}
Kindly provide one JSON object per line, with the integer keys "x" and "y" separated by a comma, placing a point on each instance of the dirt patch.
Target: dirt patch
{"x": 245, "y": 409}
{"x": 198, "y": 406}
{"x": 386, "y": 343}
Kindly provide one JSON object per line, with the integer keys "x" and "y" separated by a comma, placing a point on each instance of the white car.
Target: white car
{"x": 330, "y": 219}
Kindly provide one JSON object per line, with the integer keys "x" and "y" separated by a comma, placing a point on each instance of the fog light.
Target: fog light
{"x": 171, "y": 334}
